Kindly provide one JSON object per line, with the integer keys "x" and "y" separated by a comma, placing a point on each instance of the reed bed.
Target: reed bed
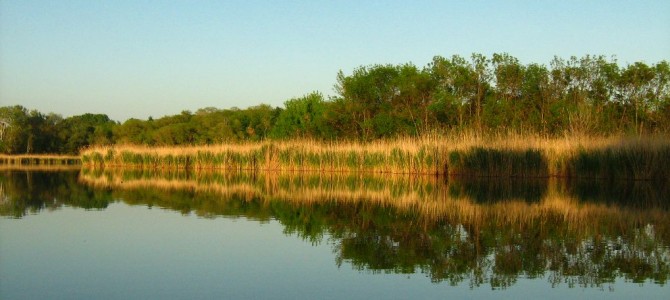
{"x": 630, "y": 158}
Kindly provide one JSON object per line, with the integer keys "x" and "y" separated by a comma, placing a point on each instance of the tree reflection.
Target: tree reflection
{"x": 29, "y": 192}
{"x": 479, "y": 232}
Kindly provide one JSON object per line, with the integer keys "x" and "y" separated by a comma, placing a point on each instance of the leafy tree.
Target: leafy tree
{"x": 480, "y": 66}
{"x": 635, "y": 86}
{"x": 37, "y": 140}
{"x": 261, "y": 120}
{"x": 50, "y": 130}
{"x": 301, "y": 117}
{"x": 15, "y": 136}
{"x": 367, "y": 92}
{"x": 341, "y": 123}
{"x": 590, "y": 95}
{"x": 661, "y": 96}
{"x": 84, "y": 130}
{"x": 535, "y": 91}
{"x": 455, "y": 87}
{"x": 416, "y": 95}
{"x": 134, "y": 131}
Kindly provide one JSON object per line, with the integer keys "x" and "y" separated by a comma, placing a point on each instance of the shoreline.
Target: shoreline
{"x": 611, "y": 158}
{"x": 39, "y": 160}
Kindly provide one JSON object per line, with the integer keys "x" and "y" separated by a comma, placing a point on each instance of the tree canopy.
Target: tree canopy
{"x": 587, "y": 95}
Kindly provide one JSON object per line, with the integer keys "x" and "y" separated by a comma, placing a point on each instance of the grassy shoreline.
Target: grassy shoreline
{"x": 609, "y": 158}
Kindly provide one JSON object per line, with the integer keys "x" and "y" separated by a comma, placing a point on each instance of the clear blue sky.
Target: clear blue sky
{"x": 154, "y": 58}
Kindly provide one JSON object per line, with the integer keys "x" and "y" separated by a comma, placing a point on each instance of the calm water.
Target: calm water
{"x": 144, "y": 235}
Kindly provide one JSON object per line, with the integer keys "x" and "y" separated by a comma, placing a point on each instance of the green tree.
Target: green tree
{"x": 661, "y": 96}
{"x": 367, "y": 93}
{"x": 535, "y": 96}
{"x": 37, "y": 140}
{"x": 301, "y": 118}
{"x": 455, "y": 89}
{"x": 635, "y": 87}
{"x": 261, "y": 120}
{"x": 15, "y": 135}
{"x": 480, "y": 66}
{"x": 50, "y": 128}
{"x": 77, "y": 132}
{"x": 416, "y": 89}
{"x": 510, "y": 109}
{"x": 134, "y": 131}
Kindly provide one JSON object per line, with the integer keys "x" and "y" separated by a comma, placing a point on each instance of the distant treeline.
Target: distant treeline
{"x": 588, "y": 95}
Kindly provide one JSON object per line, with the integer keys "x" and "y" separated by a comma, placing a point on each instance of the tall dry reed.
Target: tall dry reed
{"x": 469, "y": 155}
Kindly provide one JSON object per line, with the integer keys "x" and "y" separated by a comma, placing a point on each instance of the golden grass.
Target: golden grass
{"x": 638, "y": 158}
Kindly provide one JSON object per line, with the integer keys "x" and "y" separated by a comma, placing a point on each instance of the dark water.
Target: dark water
{"x": 141, "y": 235}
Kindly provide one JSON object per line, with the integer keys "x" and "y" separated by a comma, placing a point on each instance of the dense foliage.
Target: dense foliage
{"x": 588, "y": 95}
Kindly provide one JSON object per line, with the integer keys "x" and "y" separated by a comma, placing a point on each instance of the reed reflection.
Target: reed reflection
{"x": 482, "y": 232}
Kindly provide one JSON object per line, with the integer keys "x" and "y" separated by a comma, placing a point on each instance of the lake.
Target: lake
{"x": 120, "y": 234}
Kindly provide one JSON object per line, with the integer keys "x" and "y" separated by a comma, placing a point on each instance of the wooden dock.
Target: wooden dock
{"x": 40, "y": 160}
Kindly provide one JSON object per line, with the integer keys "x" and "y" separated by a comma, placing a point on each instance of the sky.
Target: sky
{"x": 136, "y": 59}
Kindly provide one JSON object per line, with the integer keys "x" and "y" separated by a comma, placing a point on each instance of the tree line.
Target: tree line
{"x": 589, "y": 95}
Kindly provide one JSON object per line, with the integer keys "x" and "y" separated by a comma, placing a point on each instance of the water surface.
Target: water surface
{"x": 138, "y": 234}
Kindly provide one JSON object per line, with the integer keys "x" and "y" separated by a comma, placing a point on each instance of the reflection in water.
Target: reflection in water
{"x": 476, "y": 231}
{"x": 29, "y": 192}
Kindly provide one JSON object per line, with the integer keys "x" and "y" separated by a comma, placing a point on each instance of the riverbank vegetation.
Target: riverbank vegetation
{"x": 587, "y": 96}
{"x": 611, "y": 158}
